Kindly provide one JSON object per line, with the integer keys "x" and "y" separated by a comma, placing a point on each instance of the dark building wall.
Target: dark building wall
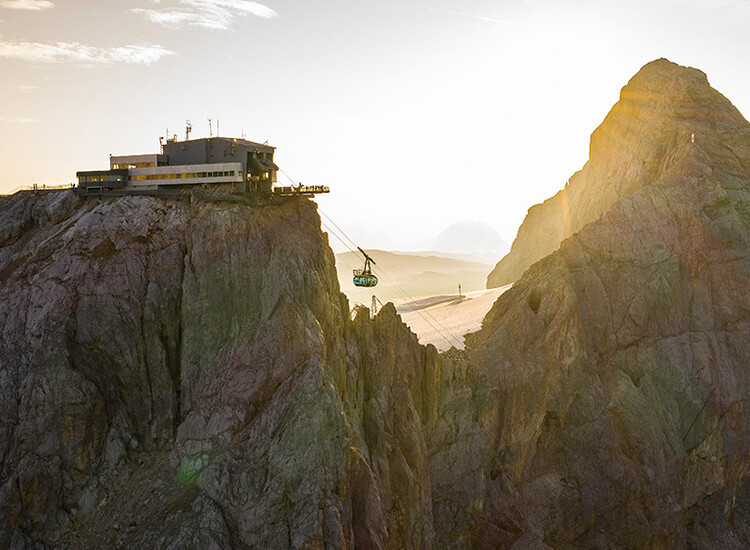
{"x": 211, "y": 150}
{"x": 102, "y": 178}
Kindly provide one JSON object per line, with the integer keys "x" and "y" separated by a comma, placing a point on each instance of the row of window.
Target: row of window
{"x": 111, "y": 178}
{"x": 181, "y": 176}
{"x": 121, "y": 166}
{"x": 103, "y": 177}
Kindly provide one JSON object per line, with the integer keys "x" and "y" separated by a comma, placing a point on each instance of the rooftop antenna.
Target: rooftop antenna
{"x": 243, "y": 133}
{"x": 188, "y": 129}
{"x": 210, "y": 129}
{"x": 217, "y": 127}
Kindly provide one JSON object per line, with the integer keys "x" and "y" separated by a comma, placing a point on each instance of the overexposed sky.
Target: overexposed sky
{"x": 415, "y": 113}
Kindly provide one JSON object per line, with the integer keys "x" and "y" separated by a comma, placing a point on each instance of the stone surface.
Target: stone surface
{"x": 188, "y": 375}
{"x": 643, "y": 139}
{"x": 620, "y": 361}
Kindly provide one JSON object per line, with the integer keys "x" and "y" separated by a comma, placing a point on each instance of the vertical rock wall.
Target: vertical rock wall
{"x": 177, "y": 375}
{"x": 180, "y": 374}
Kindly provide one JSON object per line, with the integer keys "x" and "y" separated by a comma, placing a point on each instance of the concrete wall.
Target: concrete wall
{"x": 213, "y": 150}
{"x": 137, "y": 159}
{"x": 234, "y": 167}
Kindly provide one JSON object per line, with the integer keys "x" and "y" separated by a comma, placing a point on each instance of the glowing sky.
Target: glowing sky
{"x": 417, "y": 114}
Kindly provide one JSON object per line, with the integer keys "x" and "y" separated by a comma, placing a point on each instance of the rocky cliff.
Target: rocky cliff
{"x": 187, "y": 375}
{"x": 643, "y": 139}
{"x": 619, "y": 362}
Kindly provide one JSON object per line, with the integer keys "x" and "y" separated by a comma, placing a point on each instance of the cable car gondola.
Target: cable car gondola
{"x": 364, "y": 276}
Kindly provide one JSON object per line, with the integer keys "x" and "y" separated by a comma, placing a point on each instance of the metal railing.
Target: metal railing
{"x": 38, "y": 187}
{"x": 301, "y": 190}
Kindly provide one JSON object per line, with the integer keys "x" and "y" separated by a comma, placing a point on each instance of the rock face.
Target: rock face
{"x": 642, "y": 140}
{"x": 620, "y": 362}
{"x": 186, "y": 375}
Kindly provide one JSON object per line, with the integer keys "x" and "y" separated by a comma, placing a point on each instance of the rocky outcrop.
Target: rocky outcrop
{"x": 619, "y": 362}
{"x": 186, "y": 375}
{"x": 643, "y": 139}
{"x": 620, "y": 365}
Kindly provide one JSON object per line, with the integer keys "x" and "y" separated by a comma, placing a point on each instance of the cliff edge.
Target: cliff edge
{"x": 188, "y": 375}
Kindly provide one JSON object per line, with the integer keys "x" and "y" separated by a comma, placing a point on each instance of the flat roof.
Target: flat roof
{"x": 144, "y": 156}
{"x": 115, "y": 171}
{"x": 232, "y": 140}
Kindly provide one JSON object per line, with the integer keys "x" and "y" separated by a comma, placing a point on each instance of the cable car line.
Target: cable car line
{"x": 403, "y": 294}
{"x": 401, "y": 291}
{"x": 409, "y": 299}
{"x": 367, "y": 270}
{"x": 393, "y": 284}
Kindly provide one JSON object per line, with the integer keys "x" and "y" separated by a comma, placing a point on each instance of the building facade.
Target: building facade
{"x": 245, "y": 165}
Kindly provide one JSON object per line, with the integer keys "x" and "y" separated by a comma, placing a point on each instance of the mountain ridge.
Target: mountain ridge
{"x": 663, "y": 111}
{"x": 189, "y": 375}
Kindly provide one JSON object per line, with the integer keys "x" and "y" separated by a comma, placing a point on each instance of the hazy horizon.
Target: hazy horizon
{"x": 415, "y": 114}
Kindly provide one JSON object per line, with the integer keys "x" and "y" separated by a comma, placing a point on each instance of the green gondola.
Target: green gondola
{"x": 364, "y": 277}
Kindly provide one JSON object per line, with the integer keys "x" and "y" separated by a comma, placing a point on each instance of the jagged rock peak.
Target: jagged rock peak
{"x": 669, "y": 99}
{"x": 180, "y": 374}
{"x": 619, "y": 359}
{"x": 669, "y": 122}
{"x": 663, "y": 70}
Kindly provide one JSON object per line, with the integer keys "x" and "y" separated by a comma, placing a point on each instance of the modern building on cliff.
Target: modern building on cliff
{"x": 244, "y": 166}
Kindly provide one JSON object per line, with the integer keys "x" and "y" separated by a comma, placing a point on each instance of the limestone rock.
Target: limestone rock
{"x": 188, "y": 375}
{"x": 179, "y": 375}
{"x": 646, "y": 137}
{"x": 619, "y": 361}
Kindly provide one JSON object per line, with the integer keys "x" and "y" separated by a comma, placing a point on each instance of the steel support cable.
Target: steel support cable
{"x": 437, "y": 330}
{"x": 406, "y": 296}
{"x": 420, "y": 313}
{"x": 442, "y": 333}
{"x": 393, "y": 284}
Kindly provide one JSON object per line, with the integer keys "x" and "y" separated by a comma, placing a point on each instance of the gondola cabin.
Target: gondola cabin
{"x": 364, "y": 277}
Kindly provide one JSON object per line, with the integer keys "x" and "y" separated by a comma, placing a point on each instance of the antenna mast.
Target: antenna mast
{"x": 210, "y": 129}
{"x": 188, "y": 129}
{"x": 217, "y": 127}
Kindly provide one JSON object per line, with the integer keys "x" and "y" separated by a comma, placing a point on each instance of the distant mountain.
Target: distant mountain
{"x": 470, "y": 236}
{"x": 479, "y": 257}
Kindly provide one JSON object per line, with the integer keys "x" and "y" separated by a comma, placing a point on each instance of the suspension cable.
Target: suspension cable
{"x": 423, "y": 313}
{"x": 405, "y": 295}
{"x": 420, "y": 313}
